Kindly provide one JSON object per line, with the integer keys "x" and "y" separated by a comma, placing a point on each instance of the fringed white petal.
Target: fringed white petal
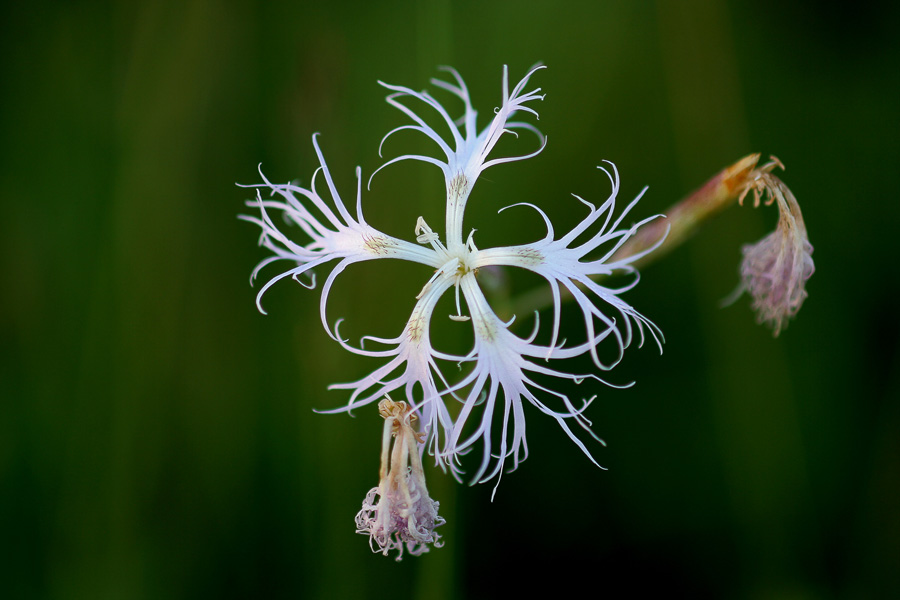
{"x": 328, "y": 231}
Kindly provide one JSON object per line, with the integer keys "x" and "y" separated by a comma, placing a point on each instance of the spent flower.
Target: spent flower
{"x": 403, "y": 515}
{"x": 776, "y": 268}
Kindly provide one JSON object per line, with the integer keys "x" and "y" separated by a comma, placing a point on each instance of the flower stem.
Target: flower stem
{"x": 684, "y": 218}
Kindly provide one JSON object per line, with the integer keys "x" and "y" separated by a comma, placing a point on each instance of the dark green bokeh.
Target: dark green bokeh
{"x": 157, "y": 438}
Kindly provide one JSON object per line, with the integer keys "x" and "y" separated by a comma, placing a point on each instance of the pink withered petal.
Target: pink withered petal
{"x": 775, "y": 269}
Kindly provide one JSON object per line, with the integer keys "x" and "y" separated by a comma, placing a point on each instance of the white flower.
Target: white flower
{"x": 500, "y": 381}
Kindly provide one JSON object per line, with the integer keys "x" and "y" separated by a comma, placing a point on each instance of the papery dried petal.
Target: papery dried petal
{"x": 775, "y": 269}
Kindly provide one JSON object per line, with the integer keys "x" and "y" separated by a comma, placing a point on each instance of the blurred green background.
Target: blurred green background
{"x": 157, "y": 438}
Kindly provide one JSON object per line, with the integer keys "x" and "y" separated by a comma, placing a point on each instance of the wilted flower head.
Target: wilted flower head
{"x": 403, "y": 514}
{"x": 775, "y": 269}
{"x": 507, "y": 371}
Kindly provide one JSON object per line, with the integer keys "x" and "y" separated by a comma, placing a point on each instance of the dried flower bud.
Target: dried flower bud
{"x": 775, "y": 269}
{"x": 403, "y": 514}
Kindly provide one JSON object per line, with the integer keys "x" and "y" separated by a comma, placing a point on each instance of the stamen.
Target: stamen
{"x": 458, "y": 316}
{"x": 425, "y": 235}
